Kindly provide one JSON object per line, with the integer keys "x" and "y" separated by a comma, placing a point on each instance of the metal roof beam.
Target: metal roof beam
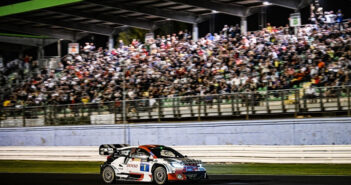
{"x": 235, "y": 10}
{"x": 291, "y": 4}
{"x": 59, "y": 34}
{"x": 107, "y": 18}
{"x": 6, "y": 47}
{"x": 27, "y": 41}
{"x": 170, "y": 14}
{"x": 98, "y": 29}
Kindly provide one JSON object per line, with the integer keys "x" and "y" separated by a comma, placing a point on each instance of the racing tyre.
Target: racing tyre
{"x": 160, "y": 175}
{"x": 108, "y": 175}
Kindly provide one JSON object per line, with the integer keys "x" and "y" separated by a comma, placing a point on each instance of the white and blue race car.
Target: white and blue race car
{"x": 148, "y": 163}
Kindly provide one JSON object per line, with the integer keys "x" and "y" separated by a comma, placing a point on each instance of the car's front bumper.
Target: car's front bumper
{"x": 188, "y": 173}
{"x": 187, "y": 176}
{"x": 196, "y": 175}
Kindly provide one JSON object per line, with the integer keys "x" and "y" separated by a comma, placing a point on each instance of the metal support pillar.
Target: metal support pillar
{"x": 212, "y": 23}
{"x": 296, "y": 28}
{"x": 170, "y": 27}
{"x": 111, "y": 43}
{"x": 124, "y": 107}
{"x": 262, "y": 18}
{"x": 59, "y": 53}
{"x": 21, "y": 54}
{"x": 41, "y": 50}
{"x": 74, "y": 37}
{"x": 195, "y": 32}
{"x": 243, "y": 26}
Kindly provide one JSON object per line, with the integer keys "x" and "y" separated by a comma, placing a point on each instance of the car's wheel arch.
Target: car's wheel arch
{"x": 158, "y": 165}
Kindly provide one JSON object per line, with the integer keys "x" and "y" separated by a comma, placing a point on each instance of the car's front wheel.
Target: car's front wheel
{"x": 108, "y": 175}
{"x": 160, "y": 175}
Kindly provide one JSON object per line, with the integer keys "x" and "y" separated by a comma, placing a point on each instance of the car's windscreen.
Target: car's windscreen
{"x": 165, "y": 152}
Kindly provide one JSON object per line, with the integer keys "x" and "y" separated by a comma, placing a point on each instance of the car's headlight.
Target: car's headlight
{"x": 177, "y": 164}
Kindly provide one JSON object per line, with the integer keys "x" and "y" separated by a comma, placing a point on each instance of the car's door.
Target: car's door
{"x": 138, "y": 162}
{"x": 121, "y": 162}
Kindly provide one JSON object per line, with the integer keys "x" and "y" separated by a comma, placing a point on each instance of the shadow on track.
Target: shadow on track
{"x": 94, "y": 179}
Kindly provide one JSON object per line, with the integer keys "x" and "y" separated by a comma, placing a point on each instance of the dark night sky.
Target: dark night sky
{"x": 277, "y": 16}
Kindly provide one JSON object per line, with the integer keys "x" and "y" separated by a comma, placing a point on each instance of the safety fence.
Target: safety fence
{"x": 321, "y": 154}
{"x": 244, "y": 105}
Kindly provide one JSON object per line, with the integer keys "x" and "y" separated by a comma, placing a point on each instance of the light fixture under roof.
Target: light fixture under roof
{"x": 266, "y": 3}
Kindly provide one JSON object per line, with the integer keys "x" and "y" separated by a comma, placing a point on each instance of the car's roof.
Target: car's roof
{"x": 141, "y": 146}
{"x": 149, "y": 146}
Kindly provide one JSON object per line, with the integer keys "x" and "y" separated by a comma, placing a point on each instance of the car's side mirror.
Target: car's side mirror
{"x": 185, "y": 156}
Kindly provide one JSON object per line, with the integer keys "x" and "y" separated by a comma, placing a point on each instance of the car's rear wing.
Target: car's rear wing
{"x": 108, "y": 149}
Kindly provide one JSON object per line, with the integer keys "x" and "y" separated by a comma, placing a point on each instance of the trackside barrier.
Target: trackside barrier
{"x": 331, "y": 154}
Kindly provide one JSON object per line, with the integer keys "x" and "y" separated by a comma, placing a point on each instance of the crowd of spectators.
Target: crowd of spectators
{"x": 174, "y": 65}
{"x": 15, "y": 70}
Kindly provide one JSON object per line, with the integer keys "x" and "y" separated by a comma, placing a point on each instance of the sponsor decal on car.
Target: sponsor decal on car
{"x": 132, "y": 165}
{"x": 136, "y": 159}
{"x": 144, "y": 167}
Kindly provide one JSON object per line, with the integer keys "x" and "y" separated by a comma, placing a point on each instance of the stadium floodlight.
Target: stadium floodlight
{"x": 266, "y": 3}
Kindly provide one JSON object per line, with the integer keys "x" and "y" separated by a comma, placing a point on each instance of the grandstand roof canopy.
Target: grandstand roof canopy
{"x": 72, "y": 19}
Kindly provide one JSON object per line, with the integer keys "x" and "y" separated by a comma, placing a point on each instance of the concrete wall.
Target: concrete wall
{"x": 327, "y": 131}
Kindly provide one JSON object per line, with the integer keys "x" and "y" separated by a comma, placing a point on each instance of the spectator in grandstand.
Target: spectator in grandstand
{"x": 330, "y": 18}
{"x": 311, "y": 94}
{"x": 339, "y": 19}
{"x": 7, "y": 103}
{"x": 313, "y": 18}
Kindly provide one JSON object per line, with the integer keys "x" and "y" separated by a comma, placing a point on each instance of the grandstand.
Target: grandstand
{"x": 253, "y": 88}
{"x": 230, "y": 74}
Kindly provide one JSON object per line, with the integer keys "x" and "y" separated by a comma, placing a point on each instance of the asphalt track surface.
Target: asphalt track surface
{"x": 94, "y": 179}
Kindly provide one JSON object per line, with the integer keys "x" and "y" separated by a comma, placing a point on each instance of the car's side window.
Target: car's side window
{"x": 139, "y": 152}
{"x": 132, "y": 152}
{"x": 142, "y": 152}
{"x": 167, "y": 153}
{"x": 125, "y": 152}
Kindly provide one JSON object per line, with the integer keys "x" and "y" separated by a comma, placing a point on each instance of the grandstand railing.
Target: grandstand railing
{"x": 326, "y": 101}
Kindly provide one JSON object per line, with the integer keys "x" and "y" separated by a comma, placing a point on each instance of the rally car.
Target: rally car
{"x": 148, "y": 163}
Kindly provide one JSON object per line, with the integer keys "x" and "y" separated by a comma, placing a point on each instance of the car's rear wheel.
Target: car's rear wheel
{"x": 160, "y": 175}
{"x": 108, "y": 175}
